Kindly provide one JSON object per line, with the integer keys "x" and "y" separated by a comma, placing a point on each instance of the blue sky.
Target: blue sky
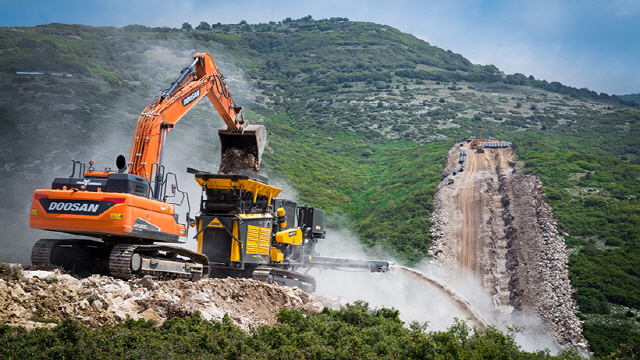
{"x": 580, "y": 43}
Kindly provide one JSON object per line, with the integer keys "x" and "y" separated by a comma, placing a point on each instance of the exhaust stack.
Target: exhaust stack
{"x": 121, "y": 163}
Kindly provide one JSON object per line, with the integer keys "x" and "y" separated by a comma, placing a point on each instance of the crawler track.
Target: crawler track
{"x": 41, "y": 252}
{"x": 121, "y": 257}
{"x": 86, "y": 256}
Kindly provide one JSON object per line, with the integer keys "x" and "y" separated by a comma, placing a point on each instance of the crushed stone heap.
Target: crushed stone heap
{"x": 38, "y": 296}
{"x": 233, "y": 160}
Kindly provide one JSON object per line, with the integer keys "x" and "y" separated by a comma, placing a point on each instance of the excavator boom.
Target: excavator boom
{"x": 202, "y": 78}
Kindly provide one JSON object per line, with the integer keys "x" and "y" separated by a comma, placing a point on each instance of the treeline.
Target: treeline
{"x": 287, "y": 53}
{"x": 354, "y": 332}
{"x": 554, "y": 86}
{"x": 24, "y": 51}
{"x": 491, "y": 76}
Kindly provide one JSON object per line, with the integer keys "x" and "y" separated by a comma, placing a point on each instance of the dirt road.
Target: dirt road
{"x": 492, "y": 223}
{"x": 470, "y": 199}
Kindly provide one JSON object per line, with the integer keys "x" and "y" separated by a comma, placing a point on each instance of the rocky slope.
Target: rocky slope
{"x": 537, "y": 260}
{"x": 35, "y": 298}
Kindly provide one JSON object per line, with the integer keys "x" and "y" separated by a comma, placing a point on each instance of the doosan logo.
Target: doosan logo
{"x": 191, "y": 98}
{"x": 75, "y": 207}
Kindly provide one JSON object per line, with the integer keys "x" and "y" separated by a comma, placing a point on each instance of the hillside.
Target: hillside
{"x": 631, "y": 97}
{"x": 360, "y": 118}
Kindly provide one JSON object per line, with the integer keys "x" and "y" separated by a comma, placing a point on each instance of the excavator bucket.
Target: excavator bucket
{"x": 242, "y": 149}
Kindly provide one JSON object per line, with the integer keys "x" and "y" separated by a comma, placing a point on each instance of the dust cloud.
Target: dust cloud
{"x": 417, "y": 299}
{"x": 419, "y": 294}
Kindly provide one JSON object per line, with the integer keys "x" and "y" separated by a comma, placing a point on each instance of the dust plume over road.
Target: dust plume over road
{"x": 418, "y": 296}
{"x": 461, "y": 302}
{"x": 492, "y": 224}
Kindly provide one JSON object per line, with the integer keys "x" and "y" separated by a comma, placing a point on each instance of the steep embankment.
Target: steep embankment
{"x": 492, "y": 223}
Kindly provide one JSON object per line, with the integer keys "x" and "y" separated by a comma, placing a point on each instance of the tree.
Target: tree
{"x": 441, "y": 100}
{"x": 203, "y": 26}
{"x": 533, "y": 107}
{"x": 187, "y": 26}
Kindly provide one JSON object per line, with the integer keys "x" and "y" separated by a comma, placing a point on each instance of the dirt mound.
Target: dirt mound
{"x": 234, "y": 160}
{"x": 35, "y": 298}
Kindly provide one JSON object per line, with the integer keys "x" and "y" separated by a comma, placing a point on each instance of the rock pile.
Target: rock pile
{"x": 37, "y": 297}
{"x": 234, "y": 160}
{"x": 442, "y": 250}
{"x": 538, "y": 261}
{"x": 443, "y": 220}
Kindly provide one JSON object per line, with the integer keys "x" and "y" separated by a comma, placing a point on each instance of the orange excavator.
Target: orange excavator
{"x": 477, "y": 143}
{"x": 131, "y": 212}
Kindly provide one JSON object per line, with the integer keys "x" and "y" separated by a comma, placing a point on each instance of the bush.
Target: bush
{"x": 354, "y": 332}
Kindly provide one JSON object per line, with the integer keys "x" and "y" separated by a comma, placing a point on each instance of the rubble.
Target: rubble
{"x": 538, "y": 260}
{"x": 39, "y": 298}
{"x": 234, "y": 160}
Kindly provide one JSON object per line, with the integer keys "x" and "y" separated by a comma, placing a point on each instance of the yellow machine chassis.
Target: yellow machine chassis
{"x": 230, "y": 183}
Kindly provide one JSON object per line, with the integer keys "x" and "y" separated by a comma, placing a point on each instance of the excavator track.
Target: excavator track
{"x": 87, "y": 257}
{"x": 41, "y": 252}
{"x": 76, "y": 255}
{"x": 128, "y": 261}
{"x": 120, "y": 261}
{"x": 285, "y": 278}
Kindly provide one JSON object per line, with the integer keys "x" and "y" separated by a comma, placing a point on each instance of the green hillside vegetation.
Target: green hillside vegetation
{"x": 355, "y": 332}
{"x": 360, "y": 118}
{"x": 595, "y": 200}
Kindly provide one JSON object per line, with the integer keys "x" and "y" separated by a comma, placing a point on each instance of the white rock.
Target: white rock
{"x": 84, "y": 304}
{"x": 40, "y": 274}
{"x": 201, "y": 297}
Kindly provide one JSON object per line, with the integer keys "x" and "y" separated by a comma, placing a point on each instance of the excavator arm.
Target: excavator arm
{"x": 202, "y": 78}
